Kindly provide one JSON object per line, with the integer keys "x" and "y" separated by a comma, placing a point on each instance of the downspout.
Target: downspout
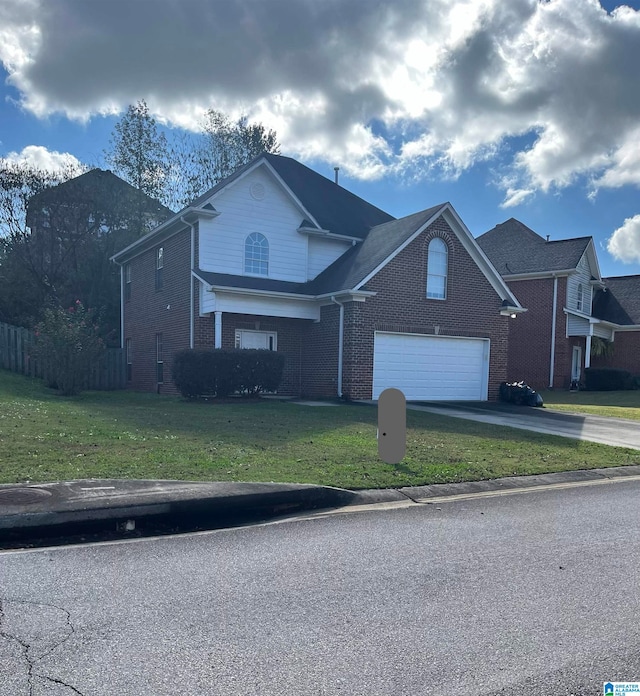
{"x": 340, "y": 342}
{"x": 121, "y": 307}
{"x": 553, "y": 332}
{"x": 191, "y": 293}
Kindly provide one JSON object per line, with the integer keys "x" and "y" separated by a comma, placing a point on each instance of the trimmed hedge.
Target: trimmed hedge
{"x": 222, "y": 372}
{"x": 608, "y": 379}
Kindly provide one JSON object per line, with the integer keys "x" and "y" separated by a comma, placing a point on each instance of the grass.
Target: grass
{"x": 616, "y": 404}
{"x": 45, "y": 437}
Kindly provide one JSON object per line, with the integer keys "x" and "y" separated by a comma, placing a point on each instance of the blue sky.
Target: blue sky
{"x": 523, "y": 109}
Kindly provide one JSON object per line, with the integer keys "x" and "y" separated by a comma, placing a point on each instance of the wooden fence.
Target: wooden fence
{"x": 17, "y": 355}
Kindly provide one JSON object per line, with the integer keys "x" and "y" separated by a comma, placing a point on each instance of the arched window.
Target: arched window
{"x": 580, "y": 300}
{"x": 437, "y": 261}
{"x": 256, "y": 254}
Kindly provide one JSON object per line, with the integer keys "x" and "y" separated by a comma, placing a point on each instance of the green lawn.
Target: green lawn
{"x": 617, "y": 404}
{"x": 45, "y": 437}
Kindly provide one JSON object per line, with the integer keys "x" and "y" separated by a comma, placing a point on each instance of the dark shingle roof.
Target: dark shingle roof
{"x": 347, "y": 271}
{"x": 251, "y": 283}
{"x": 514, "y": 248}
{"x": 335, "y": 208}
{"x": 620, "y": 301}
{"x": 356, "y": 264}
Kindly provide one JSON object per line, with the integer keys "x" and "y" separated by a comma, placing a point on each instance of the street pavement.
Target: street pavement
{"x": 489, "y": 594}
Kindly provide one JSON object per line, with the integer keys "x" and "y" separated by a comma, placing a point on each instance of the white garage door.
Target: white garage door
{"x": 431, "y": 368}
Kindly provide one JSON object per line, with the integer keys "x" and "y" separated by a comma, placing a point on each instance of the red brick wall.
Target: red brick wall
{"x": 151, "y": 311}
{"x": 320, "y": 354}
{"x": 626, "y": 353}
{"x": 530, "y": 335}
{"x": 289, "y": 343}
{"x": 470, "y": 309}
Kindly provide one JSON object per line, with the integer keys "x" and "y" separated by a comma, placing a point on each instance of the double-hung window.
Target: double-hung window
{"x": 159, "y": 267}
{"x": 437, "y": 262}
{"x": 159, "y": 359}
{"x": 127, "y": 282}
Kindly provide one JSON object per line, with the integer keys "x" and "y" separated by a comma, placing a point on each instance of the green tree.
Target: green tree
{"x": 139, "y": 151}
{"x": 68, "y": 344}
{"x": 24, "y": 283}
{"x": 201, "y": 160}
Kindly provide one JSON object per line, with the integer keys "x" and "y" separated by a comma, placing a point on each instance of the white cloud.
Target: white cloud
{"x": 366, "y": 84}
{"x": 48, "y": 160}
{"x": 624, "y": 243}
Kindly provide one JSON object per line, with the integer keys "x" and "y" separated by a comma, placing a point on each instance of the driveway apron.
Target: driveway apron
{"x": 608, "y": 431}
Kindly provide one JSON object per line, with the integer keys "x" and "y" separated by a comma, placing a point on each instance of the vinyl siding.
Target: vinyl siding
{"x": 576, "y": 326}
{"x": 222, "y": 240}
{"x": 583, "y": 276}
{"x": 322, "y": 253}
{"x": 265, "y": 306}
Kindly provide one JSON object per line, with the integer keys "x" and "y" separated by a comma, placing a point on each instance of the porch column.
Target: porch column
{"x": 218, "y": 330}
{"x": 587, "y": 355}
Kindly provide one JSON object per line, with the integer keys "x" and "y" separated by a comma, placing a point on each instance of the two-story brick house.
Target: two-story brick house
{"x": 569, "y": 304}
{"x": 279, "y": 257}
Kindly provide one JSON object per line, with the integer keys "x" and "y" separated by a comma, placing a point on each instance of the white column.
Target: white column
{"x": 587, "y": 355}
{"x": 218, "y": 330}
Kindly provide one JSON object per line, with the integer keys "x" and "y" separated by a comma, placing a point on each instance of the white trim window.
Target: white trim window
{"x": 256, "y": 254}
{"x": 580, "y": 298}
{"x": 159, "y": 267}
{"x": 262, "y": 340}
{"x": 437, "y": 263}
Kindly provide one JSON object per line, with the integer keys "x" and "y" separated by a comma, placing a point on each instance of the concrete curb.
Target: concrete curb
{"x": 49, "y": 510}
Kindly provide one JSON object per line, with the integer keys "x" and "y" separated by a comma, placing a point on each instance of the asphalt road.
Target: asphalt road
{"x": 518, "y": 594}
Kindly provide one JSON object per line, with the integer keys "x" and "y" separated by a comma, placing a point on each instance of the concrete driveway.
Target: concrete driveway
{"x": 607, "y": 431}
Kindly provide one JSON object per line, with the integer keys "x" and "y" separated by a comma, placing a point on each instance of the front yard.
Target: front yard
{"x": 45, "y": 437}
{"x": 614, "y": 404}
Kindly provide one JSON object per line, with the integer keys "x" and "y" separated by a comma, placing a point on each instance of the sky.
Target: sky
{"x": 527, "y": 108}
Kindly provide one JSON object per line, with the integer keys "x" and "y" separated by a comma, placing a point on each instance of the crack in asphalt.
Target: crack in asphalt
{"x": 30, "y": 660}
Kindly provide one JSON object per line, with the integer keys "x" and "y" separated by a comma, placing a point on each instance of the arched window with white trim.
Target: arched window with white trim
{"x": 437, "y": 266}
{"x": 256, "y": 254}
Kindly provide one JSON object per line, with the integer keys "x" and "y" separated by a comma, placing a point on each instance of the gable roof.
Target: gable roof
{"x": 355, "y": 266}
{"x": 619, "y": 302}
{"x": 333, "y": 207}
{"x": 514, "y": 248}
{"x": 357, "y": 263}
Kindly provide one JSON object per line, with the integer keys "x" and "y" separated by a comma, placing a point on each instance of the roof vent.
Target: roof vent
{"x": 548, "y": 237}
{"x": 336, "y": 170}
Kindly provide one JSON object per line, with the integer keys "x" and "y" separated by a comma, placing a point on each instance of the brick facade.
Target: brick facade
{"x": 150, "y": 311}
{"x": 625, "y": 355}
{"x": 530, "y": 336}
{"x": 471, "y": 308}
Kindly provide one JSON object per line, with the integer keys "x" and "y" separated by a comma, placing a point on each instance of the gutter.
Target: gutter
{"x": 553, "y": 331}
{"x": 340, "y": 343}
{"x": 191, "y": 293}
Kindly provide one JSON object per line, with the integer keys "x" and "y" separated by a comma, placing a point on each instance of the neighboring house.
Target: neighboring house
{"x": 568, "y": 303}
{"x": 618, "y": 304}
{"x": 279, "y": 257}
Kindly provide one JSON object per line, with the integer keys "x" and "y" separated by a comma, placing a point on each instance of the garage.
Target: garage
{"x": 431, "y": 368}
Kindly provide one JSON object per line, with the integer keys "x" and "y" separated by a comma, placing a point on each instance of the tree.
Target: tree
{"x": 61, "y": 250}
{"x": 68, "y": 344}
{"x": 139, "y": 152}
{"x": 201, "y": 160}
{"x": 21, "y": 293}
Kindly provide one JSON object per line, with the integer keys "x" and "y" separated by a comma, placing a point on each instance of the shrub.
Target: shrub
{"x": 608, "y": 379}
{"x": 67, "y": 345}
{"x": 223, "y": 372}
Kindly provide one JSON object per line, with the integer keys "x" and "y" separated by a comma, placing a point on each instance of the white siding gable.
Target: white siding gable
{"x": 581, "y": 277}
{"x": 254, "y": 203}
{"x": 323, "y": 252}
